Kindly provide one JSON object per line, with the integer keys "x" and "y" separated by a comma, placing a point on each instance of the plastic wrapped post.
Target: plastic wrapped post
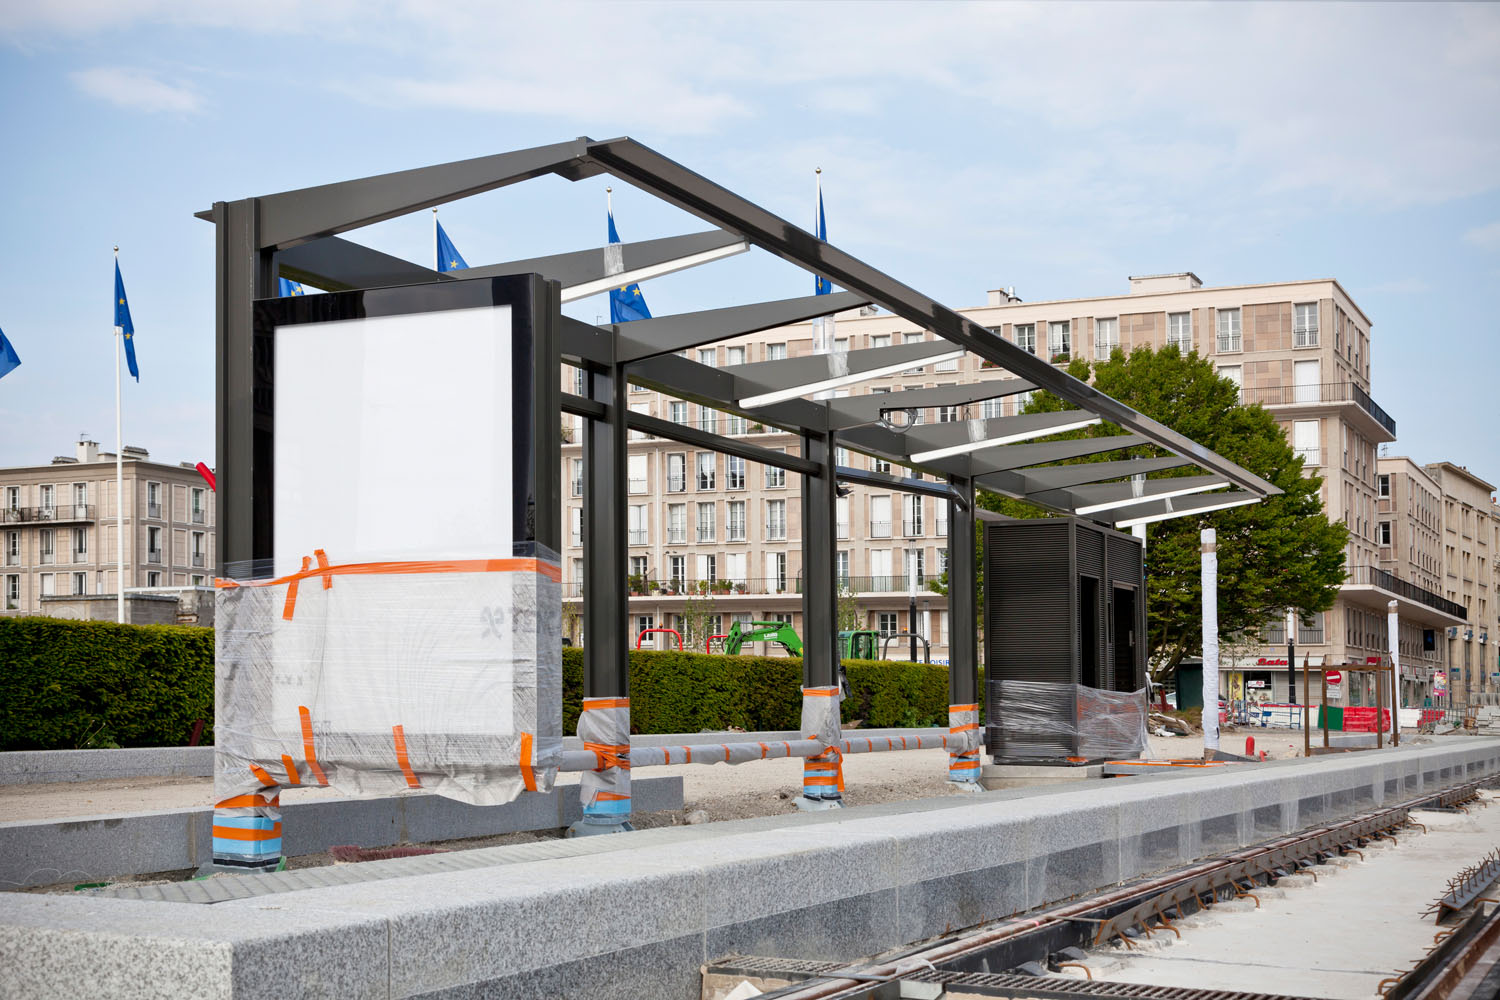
{"x": 604, "y": 728}
{"x": 823, "y": 773}
{"x": 963, "y": 743}
{"x": 1040, "y": 720}
{"x": 443, "y": 676}
{"x": 247, "y": 831}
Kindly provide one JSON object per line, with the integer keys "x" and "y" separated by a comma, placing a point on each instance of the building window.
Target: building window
{"x": 708, "y": 570}
{"x": 153, "y": 579}
{"x": 153, "y": 500}
{"x": 736, "y": 521}
{"x": 677, "y": 571}
{"x": 575, "y": 481}
{"x": 645, "y": 410}
{"x": 12, "y": 498}
{"x": 1229, "y": 330}
{"x": 775, "y": 352}
{"x": 885, "y": 623}
{"x": 677, "y": 522}
{"x": 49, "y": 500}
{"x": 991, "y": 409}
{"x": 880, "y": 340}
{"x": 881, "y": 466}
{"x": 677, "y": 412}
{"x": 1060, "y": 340}
{"x": 841, "y": 568}
{"x": 708, "y": 356}
{"x": 775, "y": 520}
{"x": 913, "y": 338}
{"x": 1026, "y": 336}
{"x": 706, "y": 469}
{"x": 642, "y": 623}
{"x": 916, "y": 566}
{"x": 47, "y": 547}
{"x": 1310, "y": 632}
{"x": 198, "y": 580}
{"x": 1235, "y": 374}
{"x": 946, "y": 366}
{"x": 707, "y": 419}
{"x": 948, "y": 414}
{"x": 734, "y": 472}
{"x": 639, "y": 520}
{"x": 880, "y": 517}
{"x": 911, "y": 521}
{"x": 677, "y": 473}
{"x": 1383, "y": 486}
{"x": 734, "y": 356}
{"x": 1383, "y": 532}
{"x": 80, "y": 499}
{"x": 635, "y": 473}
{"x": 1305, "y": 441}
{"x": 580, "y": 382}
{"x": 80, "y": 545}
{"x": 736, "y": 425}
{"x": 1305, "y": 325}
{"x": 1180, "y": 331}
{"x": 12, "y": 548}
{"x": 1106, "y": 338}
{"x": 776, "y": 577}
{"x": 12, "y": 592}
{"x": 575, "y": 514}
{"x": 196, "y": 507}
{"x": 199, "y": 548}
{"x": 775, "y": 476}
{"x": 80, "y": 583}
{"x": 706, "y": 522}
{"x": 48, "y": 585}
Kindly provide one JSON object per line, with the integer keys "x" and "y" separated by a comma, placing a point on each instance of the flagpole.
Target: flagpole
{"x": 119, "y": 477}
{"x": 437, "y": 264}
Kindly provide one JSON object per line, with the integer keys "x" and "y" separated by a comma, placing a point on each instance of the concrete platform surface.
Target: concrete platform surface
{"x": 638, "y": 921}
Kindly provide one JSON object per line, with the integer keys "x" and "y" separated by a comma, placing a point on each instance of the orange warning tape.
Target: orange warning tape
{"x": 291, "y": 592}
{"x": 963, "y": 708}
{"x": 612, "y": 754}
{"x": 261, "y": 773}
{"x": 307, "y": 746}
{"x": 964, "y": 729}
{"x": 593, "y": 703}
{"x": 821, "y": 692}
{"x": 291, "y": 770}
{"x": 251, "y": 801}
{"x": 612, "y": 796}
{"x": 402, "y": 760}
{"x": 322, "y": 558}
{"x": 528, "y": 777}
{"x": 235, "y": 833}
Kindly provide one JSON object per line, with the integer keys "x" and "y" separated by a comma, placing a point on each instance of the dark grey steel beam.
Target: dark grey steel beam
{"x": 1019, "y": 456}
{"x": 963, "y": 632}
{"x": 1180, "y": 506}
{"x": 718, "y": 442}
{"x": 606, "y": 610}
{"x": 715, "y": 387}
{"x": 585, "y": 344}
{"x": 294, "y": 217}
{"x": 1084, "y": 496}
{"x": 901, "y": 484}
{"x": 852, "y": 411}
{"x": 584, "y": 407}
{"x": 339, "y": 265}
{"x": 928, "y": 437}
{"x": 1064, "y": 476}
{"x": 241, "y": 435}
{"x": 646, "y": 338}
{"x": 694, "y": 193}
{"x": 579, "y": 267}
{"x": 787, "y": 373}
{"x": 820, "y": 618}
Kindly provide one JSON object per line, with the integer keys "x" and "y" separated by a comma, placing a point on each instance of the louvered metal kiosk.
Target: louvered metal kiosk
{"x": 1064, "y": 633}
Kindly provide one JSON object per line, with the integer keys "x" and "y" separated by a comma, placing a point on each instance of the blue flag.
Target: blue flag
{"x": 821, "y": 285}
{"x": 286, "y": 287}
{"x": 9, "y": 359}
{"x": 122, "y": 320}
{"x": 448, "y": 257}
{"x": 625, "y": 303}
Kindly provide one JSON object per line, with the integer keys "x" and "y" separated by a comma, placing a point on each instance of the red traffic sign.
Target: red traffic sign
{"x": 1333, "y": 676}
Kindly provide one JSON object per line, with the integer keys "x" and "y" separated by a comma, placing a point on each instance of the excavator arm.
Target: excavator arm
{"x": 778, "y": 632}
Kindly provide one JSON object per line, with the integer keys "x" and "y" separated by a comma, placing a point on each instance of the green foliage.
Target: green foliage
{"x": 850, "y": 617}
{"x": 673, "y": 692}
{"x": 98, "y": 684}
{"x": 1278, "y": 554}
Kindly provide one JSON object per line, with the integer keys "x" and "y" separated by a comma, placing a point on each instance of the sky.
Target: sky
{"x": 1055, "y": 148}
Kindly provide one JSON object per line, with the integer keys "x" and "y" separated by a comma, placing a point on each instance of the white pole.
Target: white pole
{"x": 1393, "y": 629}
{"x": 1210, "y": 551}
{"x": 119, "y": 480}
{"x": 437, "y": 263}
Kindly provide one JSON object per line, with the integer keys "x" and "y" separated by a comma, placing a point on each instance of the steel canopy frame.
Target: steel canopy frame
{"x": 297, "y": 234}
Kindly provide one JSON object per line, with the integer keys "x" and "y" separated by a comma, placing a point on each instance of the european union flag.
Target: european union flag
{"x": 9, "y": 359}
{"x": 286, "y": 287}
{"x": 448, "y": 257}
{"x": 625, "y": 303}
{"x": 122, "y": 320}
{"x": 821, "y": 285}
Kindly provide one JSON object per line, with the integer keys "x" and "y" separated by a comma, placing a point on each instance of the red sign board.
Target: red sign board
{"x": 1333, "y": 676}
{"x": 1374, "y": 661}
{"x": 1270, "y": 661}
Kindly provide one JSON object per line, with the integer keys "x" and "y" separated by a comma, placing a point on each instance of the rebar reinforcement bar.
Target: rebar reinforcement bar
{"x": 1001, "y": 946}
{"x": 1440, "y": 972}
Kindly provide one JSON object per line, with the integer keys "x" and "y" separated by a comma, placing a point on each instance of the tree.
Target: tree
{"x": 850, "y": 617}
{"x": 698, "y": 613}
{"x": 1282, "y": 553}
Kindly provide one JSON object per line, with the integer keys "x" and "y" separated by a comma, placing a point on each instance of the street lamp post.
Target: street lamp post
{"x": 1291, "y": 655}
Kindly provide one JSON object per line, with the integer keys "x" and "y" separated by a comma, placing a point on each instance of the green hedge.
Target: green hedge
{"x": 71, "y": 684}
{"x": 673, "y": 692}
{"x": 92, "y": 684}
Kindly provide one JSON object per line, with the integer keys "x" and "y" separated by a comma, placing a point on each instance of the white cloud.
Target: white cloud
{"x": 1486, "y": 237}
{"x": 136, "y": 89}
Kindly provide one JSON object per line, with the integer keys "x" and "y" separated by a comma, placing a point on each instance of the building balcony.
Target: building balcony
{"x": 198, "y": 560}
{"x": 1373, "y": 576}
{"x": 52, "y": 515}
{"x": 153, "y": 510}
{"x": 638, "y": 537}
{"x": 154, "y": 557}
{"x": 196, "y": 517}
{"x": 1319, "y": 395}
{"x": 912, "y": 529}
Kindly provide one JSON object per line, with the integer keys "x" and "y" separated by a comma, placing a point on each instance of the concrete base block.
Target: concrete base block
{"x": 998, "y": 776}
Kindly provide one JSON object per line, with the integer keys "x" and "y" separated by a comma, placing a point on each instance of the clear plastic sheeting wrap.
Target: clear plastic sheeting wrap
{"x": 1045, "y": 720}
{"x": 443, "y": 676}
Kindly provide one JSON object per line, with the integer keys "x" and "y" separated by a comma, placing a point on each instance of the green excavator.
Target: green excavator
{"x": 862, "y": 644}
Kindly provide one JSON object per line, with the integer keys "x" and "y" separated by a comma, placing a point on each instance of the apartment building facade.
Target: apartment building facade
{"x": 1470, "y": 561}
{"x": 1302, "y": 349}
{"x": 60, "y": 534}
